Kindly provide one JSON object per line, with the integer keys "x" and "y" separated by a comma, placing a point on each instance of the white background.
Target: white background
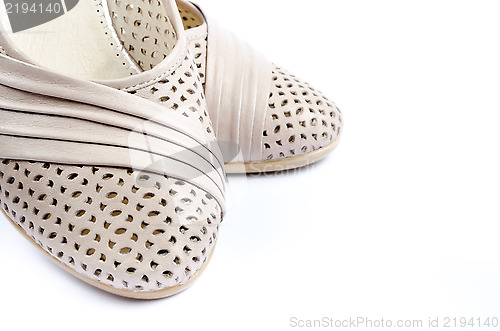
{"x": 401, "y": 221}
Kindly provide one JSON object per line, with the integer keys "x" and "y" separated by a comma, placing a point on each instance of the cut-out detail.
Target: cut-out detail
{"x": 144, "y": 30}
{"x": 104, "y": 237}
{"x": 286, "y": 110}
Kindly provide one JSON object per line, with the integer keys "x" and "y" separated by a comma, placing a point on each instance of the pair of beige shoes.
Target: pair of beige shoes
{"x": 118, "y": 122}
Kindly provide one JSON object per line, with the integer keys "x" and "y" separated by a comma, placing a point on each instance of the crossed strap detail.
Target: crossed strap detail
{"x": 238, "y": 80}
{"x": 48, "y": 117}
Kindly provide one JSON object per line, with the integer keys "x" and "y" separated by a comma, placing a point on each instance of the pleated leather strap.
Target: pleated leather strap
{"x": 53, "y": 118}
{"x": 238, "y": 81}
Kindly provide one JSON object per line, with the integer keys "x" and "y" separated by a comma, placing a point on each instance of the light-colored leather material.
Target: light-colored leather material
{"x": 299, "y": 119}
{"x": 92, "y": 49}
{"x": 124, "y": 191}
{"x": 238, "y": 80}
{"x": 271, "y": 114}
{"x": 196, "y": 30}
{"x": 191, "y": 17}
{"x": 181, "y": 93}
{"x": 197, "y": 43}
{"x": 144, "y": 29}
{"x": 187, "y": 156}
{"x": 128, "y": 230}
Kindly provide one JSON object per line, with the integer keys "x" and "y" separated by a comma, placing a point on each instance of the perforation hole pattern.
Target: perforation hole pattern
{"x": 198, "y": 48}
{"x": 181, "y": 91}
{"x": 128, "y": 230}
{"x": 299, "y": 119}
{"x": 144, "y": 30}
{"x": 190, "y": 20}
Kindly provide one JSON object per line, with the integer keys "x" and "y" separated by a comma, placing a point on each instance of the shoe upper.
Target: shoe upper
{"x": 125, "y": 192}
{"x": 268, "y": 112}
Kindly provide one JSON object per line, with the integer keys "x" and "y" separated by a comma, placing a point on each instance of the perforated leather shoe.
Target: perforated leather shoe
{"x": 264, "y": 118}
{"x": 278, "y": 121}
{"x": 123, "y": 192}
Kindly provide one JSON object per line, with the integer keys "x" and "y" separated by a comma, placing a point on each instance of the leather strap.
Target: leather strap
{"x": 48, "y": 117}
{"x": 238, "y": 80}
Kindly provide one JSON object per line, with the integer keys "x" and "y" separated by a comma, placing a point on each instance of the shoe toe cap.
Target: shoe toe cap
{"x": 126, "y": 231}
{"x": 299, "y": 119}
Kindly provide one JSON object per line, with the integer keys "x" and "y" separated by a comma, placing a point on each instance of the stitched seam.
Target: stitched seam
{"x": 107, "y": 24}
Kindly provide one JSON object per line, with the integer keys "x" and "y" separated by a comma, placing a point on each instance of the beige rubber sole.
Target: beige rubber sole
{"x": 282, "y": 165}
{"x": 123, "y": 293}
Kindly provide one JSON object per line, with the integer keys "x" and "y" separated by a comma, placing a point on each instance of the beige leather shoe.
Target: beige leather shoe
{"x": 265, "y": 118}
{"x": 278, "y": 121}
{"x": 124, "y": 193}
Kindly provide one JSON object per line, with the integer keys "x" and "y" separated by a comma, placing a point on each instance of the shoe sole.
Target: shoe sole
{"x": 123, "y": 293}
{"x": 282, "y": 165}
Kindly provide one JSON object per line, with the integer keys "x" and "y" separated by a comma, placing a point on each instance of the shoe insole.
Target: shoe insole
{"x": 84, "y": 43}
